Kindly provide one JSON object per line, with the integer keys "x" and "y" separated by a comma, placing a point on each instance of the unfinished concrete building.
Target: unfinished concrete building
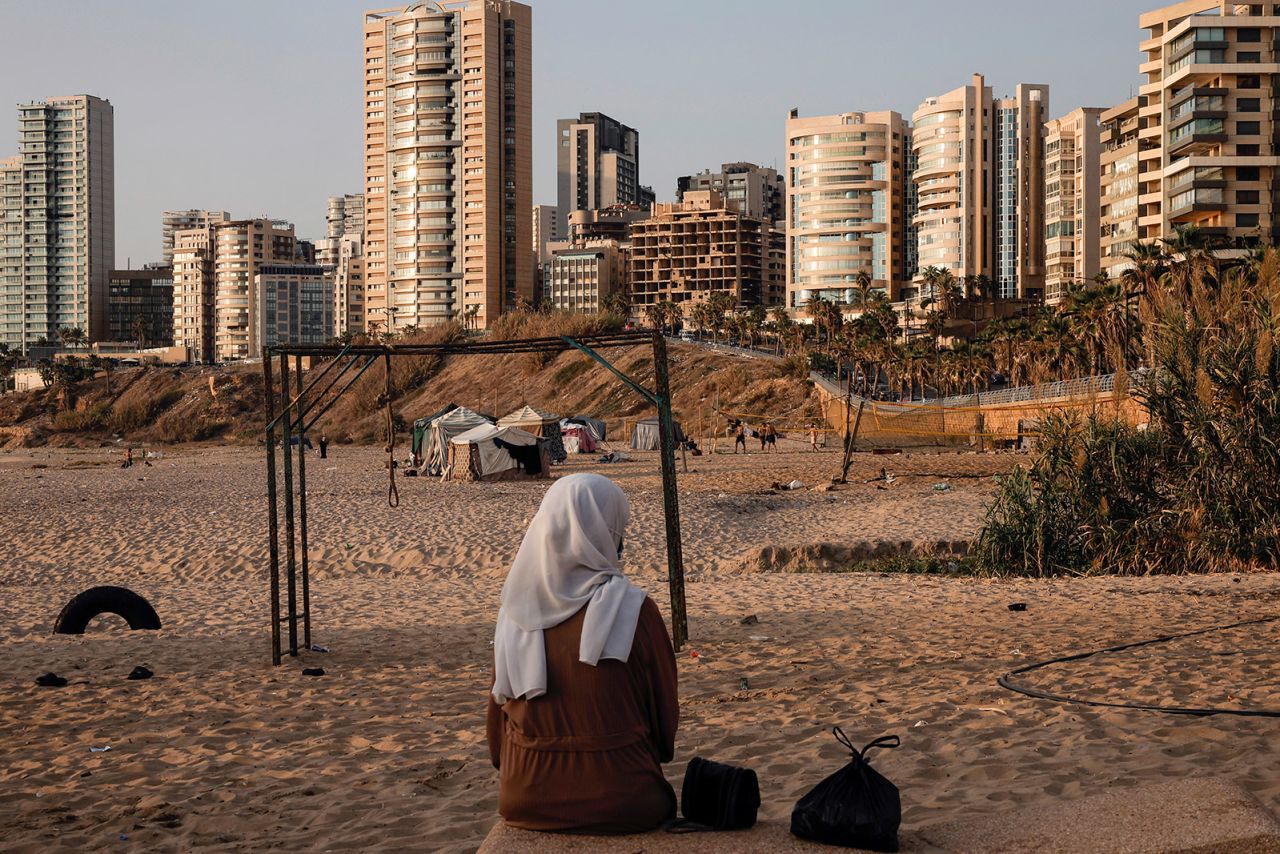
{"x": 689, "y": 250}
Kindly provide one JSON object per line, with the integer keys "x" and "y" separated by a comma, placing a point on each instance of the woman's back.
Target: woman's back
{"x": 587, "y": 754}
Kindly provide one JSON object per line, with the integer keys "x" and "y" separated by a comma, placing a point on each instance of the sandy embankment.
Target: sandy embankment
{"x": 386, "y": 751}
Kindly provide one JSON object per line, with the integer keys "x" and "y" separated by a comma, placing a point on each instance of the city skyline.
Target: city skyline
{"x": 314, "y": 85}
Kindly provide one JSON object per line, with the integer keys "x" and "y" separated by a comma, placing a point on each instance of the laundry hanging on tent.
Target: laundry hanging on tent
{"x": 540, "y": 423}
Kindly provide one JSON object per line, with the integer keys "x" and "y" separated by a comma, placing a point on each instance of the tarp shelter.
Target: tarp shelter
{"x": 539, "y": 423}
{"x": 442, "y": 430}
{"x": 578, "y": 438}
{"x": 595, "y": 425}
{"x": 490, "y": 452}
{"x": 422, "y": 425}
{"x": 647, "y": 435}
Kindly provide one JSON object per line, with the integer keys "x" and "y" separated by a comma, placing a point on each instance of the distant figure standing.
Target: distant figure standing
{"x": 128, "y": 459}
{"x": 740, "y": 437}
{"x": 771, "y": 437}
{"x": 762, "y": 434}
{"x": 324, "y": 447}
{"x": 813, "y": 436}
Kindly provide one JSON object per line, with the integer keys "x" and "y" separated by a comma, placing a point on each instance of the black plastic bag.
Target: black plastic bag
{"x": 854, "y": 807}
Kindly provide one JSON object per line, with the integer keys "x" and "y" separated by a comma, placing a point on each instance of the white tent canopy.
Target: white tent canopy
{"x": 442, "y": 430}
{"x": 647, "y": 435}
{"x": 529, "y": 415}
{"x": 494, "y": 459}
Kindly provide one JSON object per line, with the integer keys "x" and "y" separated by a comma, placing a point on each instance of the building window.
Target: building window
{"x": 1246, "y": 220}
{"x": 1247, "y": 128}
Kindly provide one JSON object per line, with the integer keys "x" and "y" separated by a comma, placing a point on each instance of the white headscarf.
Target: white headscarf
{"x": 568, "y": 558}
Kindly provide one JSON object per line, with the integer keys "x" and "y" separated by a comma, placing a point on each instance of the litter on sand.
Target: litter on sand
{"x": 749, "y": 620}
{"x": 759, "y": 637}
{"x": 942, "y": 487}
{"x": 102, "y": 749}
{"x": 315, "y": 647}
{"x": 313, "y": 671}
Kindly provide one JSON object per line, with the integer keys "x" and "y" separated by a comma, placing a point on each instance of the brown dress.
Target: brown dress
{"x": 586, "y": 756}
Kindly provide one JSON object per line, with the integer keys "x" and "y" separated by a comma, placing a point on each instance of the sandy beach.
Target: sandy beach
{"x": 222, "y": 751}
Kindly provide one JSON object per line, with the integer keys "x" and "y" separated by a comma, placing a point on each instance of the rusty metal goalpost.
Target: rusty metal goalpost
{"x": 296, "y": 418}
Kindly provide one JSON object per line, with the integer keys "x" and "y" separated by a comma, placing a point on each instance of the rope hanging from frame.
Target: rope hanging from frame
{"x": 393, "y": 494}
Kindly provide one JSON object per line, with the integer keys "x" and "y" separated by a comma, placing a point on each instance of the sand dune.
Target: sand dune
{"x": 386, "y": 751}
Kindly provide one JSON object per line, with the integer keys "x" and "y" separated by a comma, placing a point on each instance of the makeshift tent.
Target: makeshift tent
{"x": 539, "y": 423}
{"x": 422, "y": 425}
{"x": 488, "y": 453}
{"x": 441, "y": 430}
{"x": 647, "y": 435}
{"x": 595, "y": 425}
{"x": 578, "y": 438}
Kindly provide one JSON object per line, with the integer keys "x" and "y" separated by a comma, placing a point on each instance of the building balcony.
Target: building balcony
{"x": 1197, "y": 143}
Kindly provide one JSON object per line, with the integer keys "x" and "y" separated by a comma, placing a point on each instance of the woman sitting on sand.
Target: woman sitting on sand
{"x": 583, "y": 710}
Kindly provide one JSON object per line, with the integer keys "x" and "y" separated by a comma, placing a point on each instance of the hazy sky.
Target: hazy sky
{"x": 253, "y": 106}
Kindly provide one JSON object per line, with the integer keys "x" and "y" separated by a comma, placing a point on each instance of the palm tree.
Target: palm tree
{"x": 674, "y": 315}
{"x": 782, "y": 324}
{"x": 656, "y": 314}
{"x": 139, "y": 328}
{"x": 720, "y": 304}
{"x": 8, "y": 363}
{"x": 619, "y": 303}
{"x": 756, "y": 318}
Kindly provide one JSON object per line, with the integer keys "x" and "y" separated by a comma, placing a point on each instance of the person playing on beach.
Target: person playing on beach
{"x": 813, "y": 436}
{"x": 583, "y": 710}
{"x": 763, "y": 435}
{"x": 740, "y": 437}
{"x": 771, "y": 436}
{"x": 128, "y": 459}
{"x": 324, "y": 446}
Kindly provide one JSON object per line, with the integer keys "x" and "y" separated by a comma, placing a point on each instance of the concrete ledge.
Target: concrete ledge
{"x": 1204, "y": 816}
{"x": 767, "y": 837}
{"x": 1192, "y": 816}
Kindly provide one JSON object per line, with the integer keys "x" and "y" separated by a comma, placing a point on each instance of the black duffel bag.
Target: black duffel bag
{"x": 716, "y": 796}
{"x": 854, "y": 807}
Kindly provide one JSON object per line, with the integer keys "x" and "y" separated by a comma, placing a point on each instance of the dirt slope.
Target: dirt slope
{"x": 167, "y": 405}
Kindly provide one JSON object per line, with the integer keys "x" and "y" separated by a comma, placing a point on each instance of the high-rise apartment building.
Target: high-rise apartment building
{"x": 611, "y": 223}
{"x": 448, "y": 162}
{"x": 58, "y": 219}
{"x": 341, "y": 253}
{"x": 1213, "y": 77}
{"x": 140, "y": 306}
{"x": 1072, "y": 181}
{"x": 850, "y": 202}
{"x": 584, "y": 278}
{"x": 689, "y": 250}
{"x": 171, "y": 222}
{"x": 1118, "y": 194}
{"x": 215, "y": 300}
{"x": 348, "y": 272}
{"x": 345, "y": 215}
{"x": 597, "y": 165}
{"x": 293, "y": 304}
{"x": 755, "y": 190}
{"x": 193, "y": 251}
{"x": 546, "y": 228}
{"x": 979, "y": 179}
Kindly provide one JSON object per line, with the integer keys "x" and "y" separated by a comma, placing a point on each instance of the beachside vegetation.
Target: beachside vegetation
{"x": 1197, "y": 490}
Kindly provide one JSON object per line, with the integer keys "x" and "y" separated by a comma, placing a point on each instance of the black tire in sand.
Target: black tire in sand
{"x": 95, "y": 601}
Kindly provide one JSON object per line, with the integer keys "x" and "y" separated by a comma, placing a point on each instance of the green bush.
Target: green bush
{"x": 1199, "y": 490}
